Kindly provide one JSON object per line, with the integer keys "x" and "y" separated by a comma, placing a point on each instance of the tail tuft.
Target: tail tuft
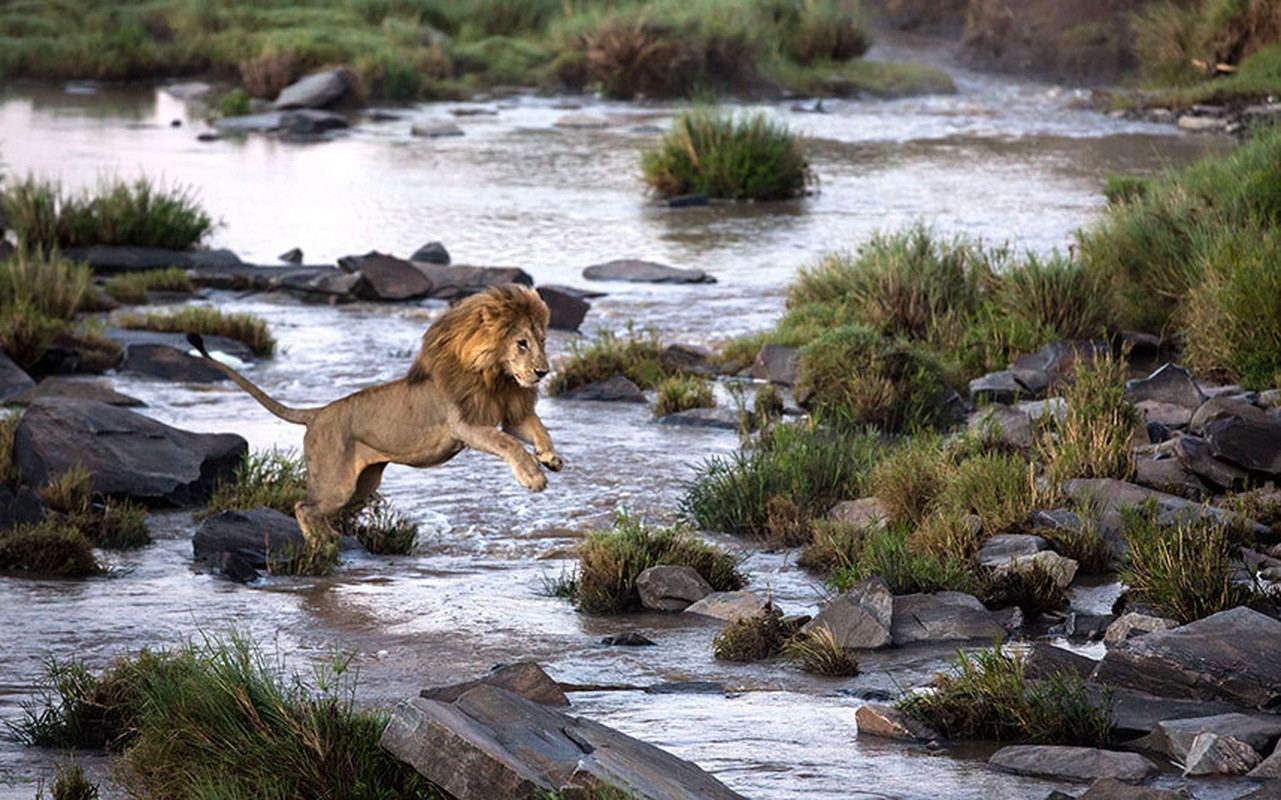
{"x": 197, "y": 341}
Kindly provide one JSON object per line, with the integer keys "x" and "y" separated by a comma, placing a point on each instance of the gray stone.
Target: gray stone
{"x": 1217, "y": 408}
{"x": 1170, "y": 384}
{"x": 729, "y": 606}
{"x": 431, "y": 253}
{"x": 1053, "y": 408}
{"x": 684, "y": 357}
{"x": 1195, "y": 124}
{"x": 260, "y": 537}
{"x": 860, "y": 618}
{"x": 1057, "y": 519}
{"x": 1107, "y": 497}
{"x": 1059, "y": 358}
{"x": 887, "y": 722}
{"x": 1196, "y": 456}
{"x": 567, "y": 307}
{"x": 178, "y": 341}
{"x": 250, "y": 123}
{"x": 291, "y": 256}
{"x": 776, "y": 364}
{"x": 1010, "y": 427}
{"x": 637, "y": 271}
{"x": 1071, "y": 763}
{"x": 107, "y": 259}
{"x": 309, "y": 122}
{"x": 329, "y": 282}
{"x": 998, "y": 550}
{"x": 1176, "y": 737}
{"x": 99, "y": 391}
{"x": 1168, "y": 414}
{"x": 1138, "y": 713}
{"x": 435, "y": 130}
{"x": 582, "y": 122}
{"x": 1044, "y": 660}
{"x": 1270, "y": 768}
{"x": 1113, "y": 789}
{"x": 1132, "y": 623}
{"x": 317, "y": 90}
{"x": 14, "y": 379}
{"x": 942, "y": 617}
{"x": 491, "y": 743}
{"x": 460, "y": 280}
{"x": 525, "y": 678}
{"x": 1170, "y": 476}
{"x": 671, "y": 587}
{"x": 999, "y": 387}
{"x": 19, "y": 508}
{"x": 722, "y": 418}
{"x": 862, "y": 512}
{"x": 164, "y": 362}
{"x": 1213, "y": 754}
{"x": 1233, "y": 655}
{"x": 386, "y": 277}
{"x": 616, "y": 389}
{"x": 1062, "y": 568}
{"x": 127, "y": 454}
{"x": 1255, "y": 446}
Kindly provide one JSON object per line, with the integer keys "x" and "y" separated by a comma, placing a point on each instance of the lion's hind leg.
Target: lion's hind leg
{"x": 330, "y": 487}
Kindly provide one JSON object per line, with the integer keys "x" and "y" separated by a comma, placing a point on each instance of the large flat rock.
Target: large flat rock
{"x": 1071, "y": 763}
{"x": 942, "y": 617}
{"x": 636, "y": 271}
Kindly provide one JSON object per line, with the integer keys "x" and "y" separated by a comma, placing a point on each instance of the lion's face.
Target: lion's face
{"x": 525, "y": 354}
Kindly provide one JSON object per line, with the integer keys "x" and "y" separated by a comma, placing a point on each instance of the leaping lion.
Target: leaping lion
{"x": 474, "y": 384}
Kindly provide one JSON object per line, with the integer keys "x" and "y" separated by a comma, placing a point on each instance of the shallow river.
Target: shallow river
{"x": 1000, "y": 159}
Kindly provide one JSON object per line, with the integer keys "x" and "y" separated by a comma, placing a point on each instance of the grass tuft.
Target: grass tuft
{"x": 681, "y": 393}
{"x": 1093, "y": 437}
{"x": 133, "y": 287}
{"x": 208, "y": 321}
{"x": 757, "y": 638}
{"x": 886, "y": 554}
{"x": 70, "y": 783}
{"x": 1030, "y": 587}
{"x": 635, "y": 356}
{"x": 381, "y": 529}
{"x": 273, "y": 478}
{"x": 818, "y": 652}
{"x": 52, "y": 548}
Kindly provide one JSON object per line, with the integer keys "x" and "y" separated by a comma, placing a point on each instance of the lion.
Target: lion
{"x": 473, "y": 384}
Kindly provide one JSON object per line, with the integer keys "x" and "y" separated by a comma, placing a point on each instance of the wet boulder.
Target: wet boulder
{"x": 525, "y": 678}
{"x": 1171, "y": 384}
{"x": 435, "y": 129}
{"x": 777, "y": 364}
{"x": 327, "y": 283}
{"x": 1000, "y": 550}
{"x": 431, "y": 253}
{"x": 1071, "y": 763}
{"x": 127, "y": 454}
{"x": 178, "y": 341}
{"x": 860, "y": 618}
{"x": 458, "y": 281}
{"x": 1270, "y": 769}
{"x": 671, "y": 587}
{"x": 1002, "y": 387}
{"x": 19, "y": 508}
{"x": 13, "y": 378}
{"x": 942, "y": 617}
{"x": 1254, "y": 445}
{"x": 1214, "y": 754}
{"x": 1136, "y": 713}
{"x": 167, "y": 363}
{"x": 887, "y": 722}
{"x": 239, "y": 543}
{"x": 684, "y": 358}
{"x": 616, "y": 389}
{"x": 119, "y": 258}
{"x": 316, "y": 90}
{"x": 729, "y": 606}
{"x": 1234, "y": 655}
{"x": 567, "y": 306}
{"x": 636, "y": 271}
{"x": 99, "y": 391}
{"x": 309, "y": 122}
{"x": 386, "y": 277}
{"x": 491, "y": 743}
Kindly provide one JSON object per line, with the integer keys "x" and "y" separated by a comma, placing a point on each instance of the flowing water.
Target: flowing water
{"x": 1001, "y": 159}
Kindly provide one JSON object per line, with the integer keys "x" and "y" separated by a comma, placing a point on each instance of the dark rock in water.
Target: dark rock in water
{"x": 999, "y": 550}
{"x": 1044, "y": 660}
{"x": 942, "y": 617}
{"x": 127, "y": 454}
{"x": 617, "y": 389}
{"x": 630, "y": 639}
{"x": 431, "y": 253}
{"x": 457, "y": 282}
{"x": 1113, "y": 789}
{"x": 1134, "y": 623}
{"x": 686, "y": 687}
{"x": 687, "y": 201}
{"x": 887, "y": 722}
{"x": 491, "y": 743}
{"x": 249, "y": 123}
{"x": 860, "y": 618}
{"x": 1233, "y": 655}
{"x": 567, "y": 307}
{"x": 235, "y": 567}
{"x": 671, "y": 587}
{"x": 109, "y": 258}
{"x": 316, "y": 90}
{"x": 307, "y": 122}
{"x": 1071, "y": 763}
{"x": 14, "y": 380}
{"x": 99, "y": 391}
{"x": 776, "y": 364}
{"x": 1136, "y": 713}
{"x": 1255, "y": 446}
{"x": 636, "y": 271}
{"x": 438, "y": 129}
{"x": 524, "y": 678}
{"x": 386, "y": 277}
{"x": 1269, "y": 770}
{"x": 292, "y": 256}
{"x": 722, "y": 418}
{"x": 326, "y": 282}
{"x": 163, "y": 361}
{"x": 19, "y": 508}
{"x": 1174, "y": 738}
{"x": 1169, "y": 384}
{"x": 258, "y": 537}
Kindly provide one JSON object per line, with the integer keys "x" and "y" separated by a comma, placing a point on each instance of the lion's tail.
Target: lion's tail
{"x": 300, "y": 416}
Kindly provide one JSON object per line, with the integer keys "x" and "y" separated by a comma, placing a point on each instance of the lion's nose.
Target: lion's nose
{"x": 540, "y": 373}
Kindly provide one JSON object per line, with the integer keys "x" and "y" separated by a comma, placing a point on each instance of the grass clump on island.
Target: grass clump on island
{"x": 681, "y": 393}
{"x": 277, "y": 734}
{"x": 728, "y": 156}
{"x": 134, "y": 287}
{"x": 610, "y": 561}
{"x": 207, "y": 321}
{"x": 40, "y": 295}
{"x": 635, "y": 355}
{"x": 770, "y": 635}
{"x": 989, "y": 695}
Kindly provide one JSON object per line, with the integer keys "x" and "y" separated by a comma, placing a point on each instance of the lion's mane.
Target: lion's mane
{"x": 462, "y": 352}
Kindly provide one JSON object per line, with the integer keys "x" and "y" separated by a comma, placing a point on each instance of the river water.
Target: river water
{"x": 1001, "y": 159}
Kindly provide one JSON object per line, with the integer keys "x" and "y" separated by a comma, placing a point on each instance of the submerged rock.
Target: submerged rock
{"x": 1071, "y": 763}
{"x": 525, "y": 678}
{"x": 636, "y": 271}
{"x": 386, "y": 277}
{"x": 617, "y": 389}
{"x": 1113, "y": 789}
{"x": 729, "y": 606}
{"x": 170, "y": 364}
{"x": 671, "y": 587}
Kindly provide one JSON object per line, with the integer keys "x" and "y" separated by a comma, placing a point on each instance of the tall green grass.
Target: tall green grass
{"x": 208, "y": 321}
{"x": 271, "y": 478}
{"x": 40, "y": 293}
{"x": 1092, "y": 439}
{"x": 634, "y": 355}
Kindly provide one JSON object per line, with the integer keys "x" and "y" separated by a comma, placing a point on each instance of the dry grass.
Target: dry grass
{"x": 819, "y": 652}
{"x": 1092, "y": 439}
{"x": 264, "y": 75}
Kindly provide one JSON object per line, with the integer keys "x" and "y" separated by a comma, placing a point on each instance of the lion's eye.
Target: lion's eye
{"x": 522, "y": 345}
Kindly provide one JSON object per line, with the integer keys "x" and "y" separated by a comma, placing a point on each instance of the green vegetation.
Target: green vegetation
{"x": 52, "y": 548}
{"x": 70, "y": 783}
{"x": 886, "y": 553}
{"x": 727, "y": 156}
{"x": 141, "y": 214}
{"x": 133, "y": 287}
{"x": 611, "y": 559}
{"x": 219, "y": 719}
{"x": 1093, "y": 437}
{"x": 208, "y": 321}
{"x": 1031, "y": 587}
{"x": 989, "y": 695}
{"x": 681, "y": 393}
{"x": 819, "y": 652}
{"x": 754, "y": 638}
{"x": 272, "y": 479}
{"x": 634, "y": 356}
{"x": 8, "y": 429}
{"x": 39, "y": 297}
{"x": 1092, "y": 553}
{"x": 381, "y": 529}
{"x": 106, "y": 522}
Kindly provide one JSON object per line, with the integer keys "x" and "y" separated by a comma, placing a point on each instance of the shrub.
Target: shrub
{"x": 208, "y": 321}
{"x": 757, "y": 638}
{"x": 1092, "y": 439}
{"x": 1184, "y": 570}
{"x": 818, "y": 652}
{"x": 273, "y": 478}
{"x": 50, "y": 548}
{"x": 70, "y": 783}
{"x": 681, "y": 393}
{"x": 812, "y": 465}
{"x": 821, "y": 30}
{"x": 1170, "y": 37}
{"x": 611, "y": 559}
{"x": 1032, "y": 588}
{"x": 722, "y": 155}
{"x": 886, "y": 554}
{"x": 1057, "y": 296}
{"x": 132, "y": 287}
{"x": 989, "y": 695}
{"x": 635, "y": 356}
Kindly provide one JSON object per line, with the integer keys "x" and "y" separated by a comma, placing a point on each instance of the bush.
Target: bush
{"x": 909, "y": 478}
{"x": 635, "y": 356}
{"x": 728, "y": 156}
{"x": 53, "y": 548}
{"x": 812, "y": 466}
{"x": 264, "y": 75}
{"x": 132, "y": 287}
{"x": 611, "y": 559}
{"x": 757, "y": 638}
{"x": 833, "y": 545}
{"x": 1170, "y": 37}
{"x": 990, "y": 696}
{"x": 207, "y": 321}
{"x": 681, "y": 393}
{"x": 885, "y": 553}
{"x": 1092, "y": 439}
{"x": 1057, "y": 297}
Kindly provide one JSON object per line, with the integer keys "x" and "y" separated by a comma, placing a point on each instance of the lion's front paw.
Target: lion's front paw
{"x": 531, "y": 477}
{"x": 551, "y": 460}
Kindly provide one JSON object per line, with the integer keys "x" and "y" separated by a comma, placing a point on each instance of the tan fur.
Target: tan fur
{"x": 477, "y": 371}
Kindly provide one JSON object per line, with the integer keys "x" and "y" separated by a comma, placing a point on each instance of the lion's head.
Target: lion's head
{"x": 488, "y": 353}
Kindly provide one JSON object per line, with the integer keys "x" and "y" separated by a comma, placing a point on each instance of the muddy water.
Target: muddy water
{"x": 1001, "y": 160}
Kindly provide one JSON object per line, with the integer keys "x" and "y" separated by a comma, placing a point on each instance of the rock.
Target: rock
{"x": 1071, "y": 763}
{"x": 1196, "y": 456}
{"x": 178, "y": 341}
{"x": 1139, "y": 713}
{"x": 776, "y": 364}
{"x": 722, "y": 418}
{"x": 1108, "y": 497}
{"x": 566, "y": 306}
{"x": 456, "y": 282}
{"x": 637, "y": 271}
{"x": 696, "y": 200}
{"x": 127, "y": 454}
{"x": 258, "y": 538}
{"x": 317, "y": 90}
{"x": 1270, "y": 768}
{"x": 942, "y": 617}
{"x": 862, "y": 512}
{"x": 1233, "y": 655}
{"x": 616, "y": 389}
{"x": 1059, "y": 358}
{"x": 1255, "y": 446}
{"x": 686, "y": 687}
{"x": 250, "y": 123}
{"x": 1212, "y": 754}
{"x": 1170, "y": 476}
{"x": 684, "y": 357}
{"x": 729, "y": 606}
{"x": 435, "y": 130}
{"x": 1170, "y": 384}
{"x": 1057, "y": 519}
{"x": 163, "y": 361}
{"x": 431, "y": 253}
{"x": 525, "y": 678}
{"x": 14, "y": 379}
{"x": 1053, "y": 408}
{"x": 1044, "y": 660}
{"x": 107, "y": 259}
{"x": 1217, "y": 408}
{"x": 1113, "y": 789}
{"x": 670, "y": 587}
{"x": 386, "y": 277}
{"x": 1062, "y": 568}
{"x": 860, "y": 618}
{"x": 999, "y": 550}
{"x": 19, "y": 508}
{"x": 1167, "y": 415}
{"x": 1132, "y": 623}
{"x": 1176, "y": 738}
{"x": 1195, "y": 124}
{"x": 581, "y": 122}
{"x": 1010, "y": 427}
{"x": 324, "y": 281}
{"x": 887, "y": 722}
{"x": 188, "y": 90}
{"x": 629, "y": 639}
{"x": 291, "y": 256}
{"x": 491, "y": 743}
{"x": 1000, "y": 387}
{"x": 99, "y": 391}
{"x": 307, "y": 122}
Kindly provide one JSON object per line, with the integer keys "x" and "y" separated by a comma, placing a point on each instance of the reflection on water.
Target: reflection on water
{"x": 1000, "y": 160}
